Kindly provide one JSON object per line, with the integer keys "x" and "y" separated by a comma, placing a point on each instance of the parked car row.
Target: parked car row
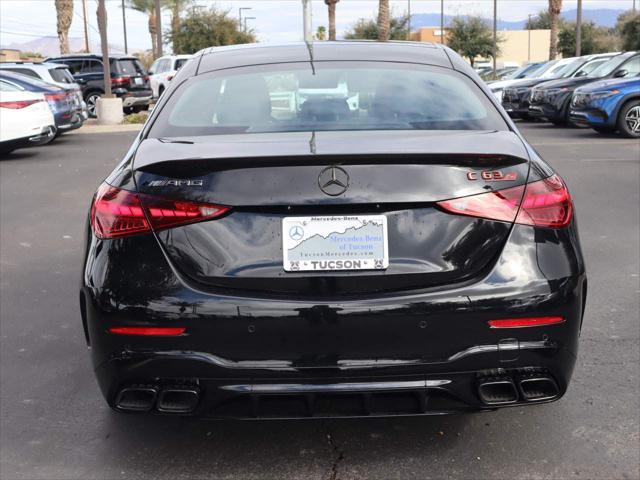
{"x": 68, "y": 87}
{"x": 601, "y": 91}
{"x": 34, "y": 110}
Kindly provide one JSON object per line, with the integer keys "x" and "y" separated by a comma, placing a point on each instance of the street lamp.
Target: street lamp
{"x": 240, "y": 15}
{"x": 245, "y": 22}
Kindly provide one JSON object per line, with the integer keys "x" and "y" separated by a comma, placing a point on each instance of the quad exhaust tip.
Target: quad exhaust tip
{"x": 498, "y": 391}
{"x": 144, "y": 398}
{"x": 503, "y": 390}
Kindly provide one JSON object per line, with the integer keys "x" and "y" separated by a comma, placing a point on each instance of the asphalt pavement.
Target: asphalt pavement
{"x": 55, "y": 424}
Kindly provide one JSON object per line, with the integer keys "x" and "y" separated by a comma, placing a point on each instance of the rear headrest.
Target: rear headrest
{"x": 245, "y": 101}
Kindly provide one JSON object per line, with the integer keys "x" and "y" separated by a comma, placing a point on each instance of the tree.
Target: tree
{"x": 384, "y": 21}
{"x": 331, "y": 5}
{"x": 321, "y": 33}
{"x": 594, "y": 39}
{"x": 365, "y": 29}
{"x": 64, "y": 14}
{"x": 471, "y": 37}
{"x": 176, "y": 7}
{"x": 541, "y": 21}
{"x": 628, "y": 29}
{"x": 555, "y": 8}
{"x": 202, "y": 28}
{"x": 148, "y": 7}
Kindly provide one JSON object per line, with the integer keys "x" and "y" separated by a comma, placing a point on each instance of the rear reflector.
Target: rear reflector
{"x": 545, "y": 203}
{"x": 524, "y": 322}
{"x": 149, "y": 331}
{"x": 119, "y": 213}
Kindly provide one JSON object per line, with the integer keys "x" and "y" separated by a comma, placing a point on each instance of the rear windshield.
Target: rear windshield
{"x": 129, "y": 67}
{"x": 61, "y": 75}
{"x": 180, "y": 62}
{"x": 328, "y": 96}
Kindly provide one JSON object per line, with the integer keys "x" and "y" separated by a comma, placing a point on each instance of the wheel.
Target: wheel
{"x": 128, "y": 110}
{"x": 559, "y": 122}
{"x": 629, "y": 119}
{"x": 92, "y": 100}
{"x": 140, "y": 108}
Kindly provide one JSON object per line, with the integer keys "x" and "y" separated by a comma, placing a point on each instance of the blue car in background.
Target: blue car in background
{"x": 609, "y": 105}
{"x": 63, "y": 104}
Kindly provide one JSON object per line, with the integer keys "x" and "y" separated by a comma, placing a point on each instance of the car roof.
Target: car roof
{"x": 17, "y": 77}
{"x": 113, "y": 56}
{"x": 217, "y": 58}
{"x": 46, "y": 65}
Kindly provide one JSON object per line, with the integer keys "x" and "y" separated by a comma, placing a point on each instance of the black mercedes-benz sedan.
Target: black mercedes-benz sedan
{"x": 331, "y": 229}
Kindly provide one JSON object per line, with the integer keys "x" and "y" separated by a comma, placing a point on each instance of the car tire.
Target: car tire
{"x": 140, "y": 108}
{"x": 128, "y": 110}
{"x": 629, "y": 119}
{"x": 91, "y": 99}
{"x": 559, "y": 122}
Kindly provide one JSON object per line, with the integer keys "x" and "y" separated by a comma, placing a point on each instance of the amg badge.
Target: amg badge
{"x": 173, "y": 182}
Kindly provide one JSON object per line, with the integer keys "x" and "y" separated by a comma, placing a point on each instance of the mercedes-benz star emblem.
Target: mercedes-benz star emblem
{"x": 296, "y": 232}
{"x": 333, "y": 181}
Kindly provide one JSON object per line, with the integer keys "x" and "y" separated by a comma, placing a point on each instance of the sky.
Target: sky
{"x": 275, "y": 20}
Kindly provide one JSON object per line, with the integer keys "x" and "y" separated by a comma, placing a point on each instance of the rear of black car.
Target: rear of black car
{"x": 191, "y": 302}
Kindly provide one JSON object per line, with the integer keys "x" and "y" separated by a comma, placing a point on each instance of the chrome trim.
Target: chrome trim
{"x": 333, "y": 387}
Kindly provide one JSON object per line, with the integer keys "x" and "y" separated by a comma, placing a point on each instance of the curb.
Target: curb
{"x": 133, "y": 127}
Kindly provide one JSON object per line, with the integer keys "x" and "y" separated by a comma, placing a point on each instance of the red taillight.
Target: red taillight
{"x": 120, "y": 81}
{"x": 119, "y": 213}
{"x": 52, "y": 97}
{"x": 149, "y": 331}
{"x": 169, "y": 78}
{"x": 524, "y": 322}
{"x": 545, "y": 203}
{"x": 18, "y": 104}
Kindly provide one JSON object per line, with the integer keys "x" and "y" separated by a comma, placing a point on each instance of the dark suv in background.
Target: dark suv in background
{"x": 129, "y": 80}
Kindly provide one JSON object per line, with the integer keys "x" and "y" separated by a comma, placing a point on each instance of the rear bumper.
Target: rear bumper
{"x": 131, "y": 99}
{"x": 45, "y": 136}
{"x": 416, "y": 353}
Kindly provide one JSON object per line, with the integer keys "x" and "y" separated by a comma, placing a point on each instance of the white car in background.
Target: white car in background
{"x": 163, "y": 70}
{"x": 25, "y": 119}
{"x": 53, "y": 73}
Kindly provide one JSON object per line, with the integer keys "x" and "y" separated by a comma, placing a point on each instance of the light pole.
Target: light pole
{"x": 495, "y": 36}
{"x": 245, "y": 22}
{"x": 240, "y": 15}
{"x": 579, "y": 29}
{"x": 86, "y": 30}
{"x": 124, "y": 27}
{"x": 442, "y": 21}
{"x": 306, "y": 21}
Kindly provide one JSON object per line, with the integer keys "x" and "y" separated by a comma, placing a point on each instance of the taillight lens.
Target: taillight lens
{"x": 18, "y": 104}
{"x": 545, "y": 203}
{"x": 120, "y": 81}
{"x": 53, "y": 97}
{"x": 119, "y": 213}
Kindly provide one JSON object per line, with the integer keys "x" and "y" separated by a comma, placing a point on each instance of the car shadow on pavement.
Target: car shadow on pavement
{"x": 267, "y": 448}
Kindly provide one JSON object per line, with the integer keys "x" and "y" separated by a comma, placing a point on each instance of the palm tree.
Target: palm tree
{"x": 176, "y": 7}
{"x": 148, "y": 7}
{"x": 555, "y": 8}
{"x": 332, "y": 17}
{"x": 384, "y": 20}
{"x": 64, "y": 13}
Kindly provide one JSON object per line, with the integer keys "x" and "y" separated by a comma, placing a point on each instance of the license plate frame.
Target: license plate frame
{"x": 335, "y": 243}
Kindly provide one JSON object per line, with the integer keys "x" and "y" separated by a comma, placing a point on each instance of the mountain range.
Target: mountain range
{"x": 603, "y": 17}
{"x": 49, "y": 46}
